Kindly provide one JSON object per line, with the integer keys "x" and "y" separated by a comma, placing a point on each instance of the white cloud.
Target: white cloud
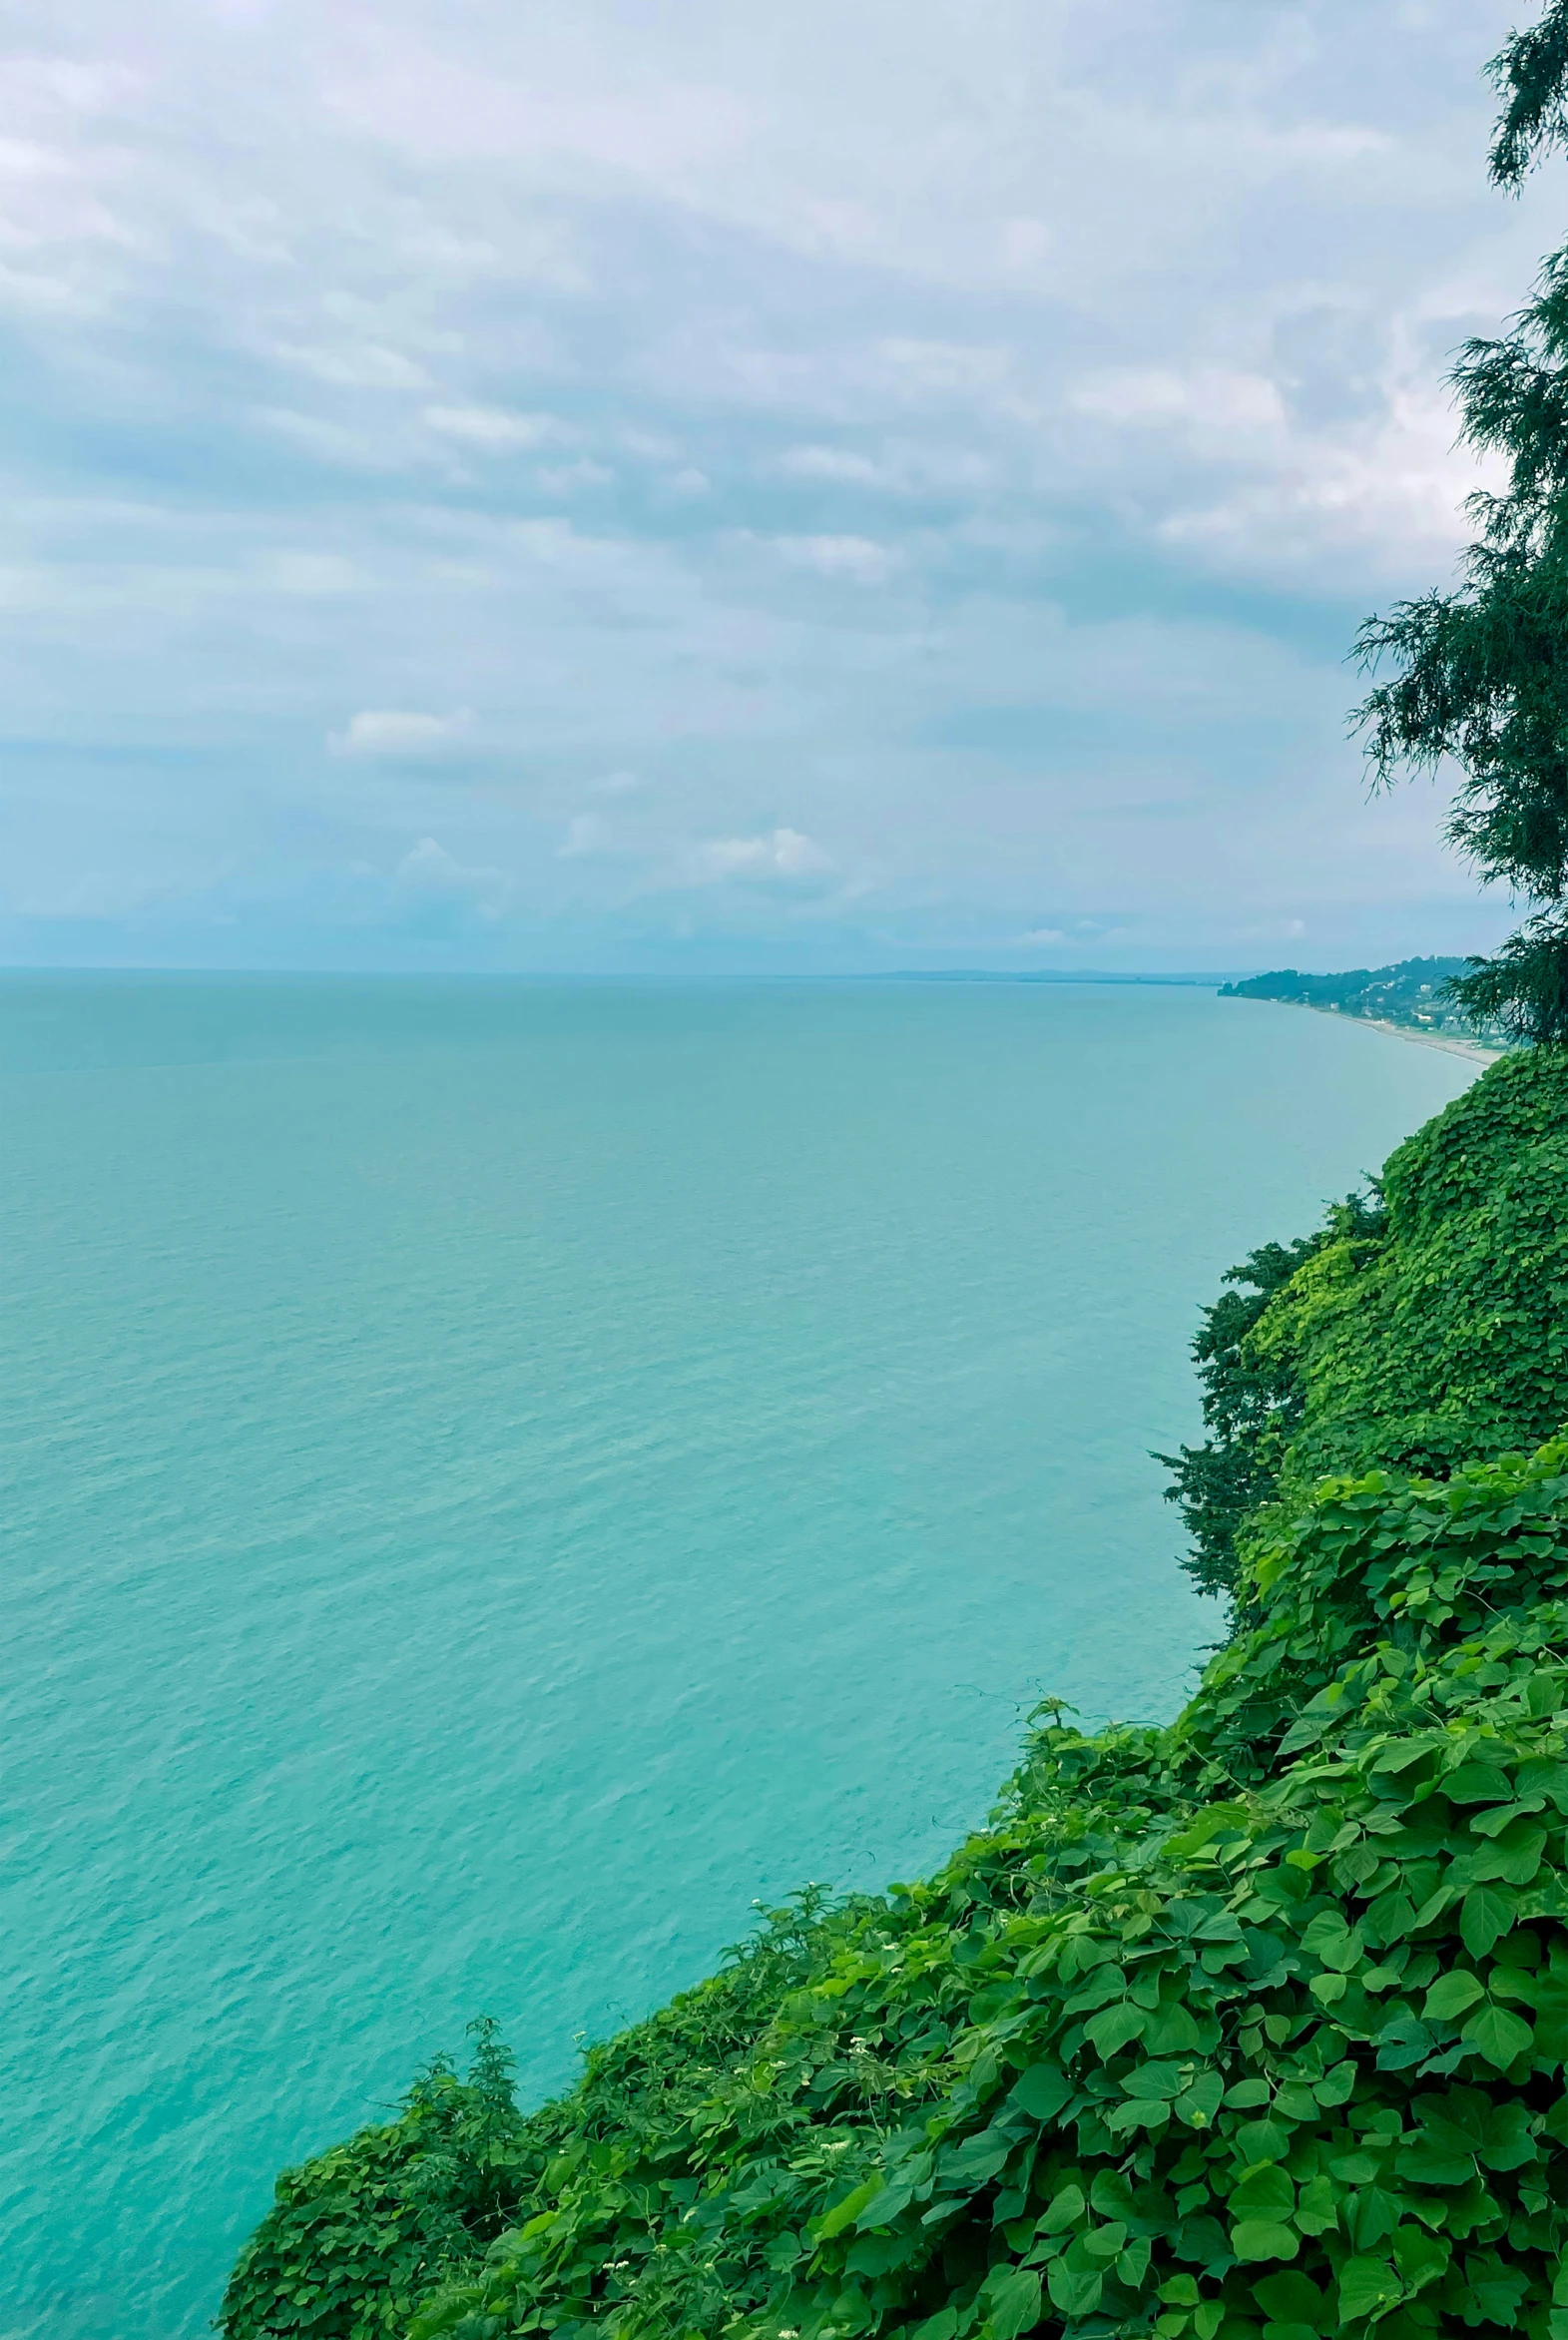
{"x": 588, "y": 836}
{"x": 362, "y": 366}
{"x": 428, "y": 875}
{"x": 378, "y": 290}
{"x": 779, "y": 852}
{"x": 493, "y": 430}
{"x": 399, "y": 734}
{"x": 839, "y": 464}
{"x": 564, "y": 479}
{"x": 855, "y": 558}
{"x": 1209, "y": 397}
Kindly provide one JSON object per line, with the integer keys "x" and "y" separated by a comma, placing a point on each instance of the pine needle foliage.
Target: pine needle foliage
{"x": 1255, "y": 2028}
{"x": 1481, "y": 671}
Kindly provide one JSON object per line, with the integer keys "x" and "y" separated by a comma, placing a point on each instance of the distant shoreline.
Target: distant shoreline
{"x": 1467, "y": 1048}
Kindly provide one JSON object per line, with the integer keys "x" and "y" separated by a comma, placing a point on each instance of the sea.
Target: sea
{"x": 501, "y": 1478}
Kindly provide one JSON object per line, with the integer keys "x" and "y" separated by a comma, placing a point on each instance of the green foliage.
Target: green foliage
{"x": 1416, "y": 1335}
{"x": 357, "y": 2235}
{"x": 1446, "y": 1334}
{"x": 1531, "y": 75}
{"x": 1480, "y": 676}
{"x": 1253, "y": 1400}
{"x": 1250, "y": 2028}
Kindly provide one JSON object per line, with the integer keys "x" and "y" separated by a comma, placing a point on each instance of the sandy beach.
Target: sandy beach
{"x": 1446, "y": 1040}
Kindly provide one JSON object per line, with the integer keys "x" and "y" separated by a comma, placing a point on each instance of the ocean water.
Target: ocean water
{"x": 497, "y": 1475}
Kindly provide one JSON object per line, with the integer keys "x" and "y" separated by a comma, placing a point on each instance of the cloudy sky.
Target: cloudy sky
{"x": 670, "y": 484}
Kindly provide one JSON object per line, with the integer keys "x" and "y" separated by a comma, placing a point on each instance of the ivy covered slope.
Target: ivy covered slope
{"x": 1423, "y": 1327}
{"x": 1251, "y": 2029}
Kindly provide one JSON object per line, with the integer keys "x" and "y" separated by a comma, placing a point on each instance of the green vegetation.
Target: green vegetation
{"x": 1250, "y": 2028}
{"x": 1421, "y": 1325}
{"x": 1480, "y": 673}
{"x": 1415, "y": 992}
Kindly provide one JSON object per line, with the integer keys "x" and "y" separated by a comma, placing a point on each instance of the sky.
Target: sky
{"x": 618, "y": 485}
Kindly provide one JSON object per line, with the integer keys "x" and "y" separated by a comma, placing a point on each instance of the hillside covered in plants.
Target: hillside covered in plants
{"x": 1414, "y": 992}
{"x": 1253, "y": 2027}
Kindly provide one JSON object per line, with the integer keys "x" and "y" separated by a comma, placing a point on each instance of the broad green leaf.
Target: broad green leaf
{"x": 1498, "y": 2035}
{"x": 1391, "y": 1917}
{"x": 1105, "y": 2242}
{"x": 1074, "y": 2294}
{"x": 1132, "y": 2264}
{"x": 1451, "y": 1995}
{"x": 1064, "y": 2210}
{"x": 1012, "y": 2301}
{"x": 845, "y": 2213}
{"x": 1115, "y": 2026}
{"x": 1317, "y": 2210}
{"x": 1337, "y": 2085}
{"x": 1513, "y": 1859}
{"x": 886, "y": 2205}
{"x": 1326, "y": 1934}
{"x": 1507, "y": 2143}
{"x": 1136, "y": 2112}
{"x": 1156, "y": 2080}
{"x": 1264, "y": 2193}
{"x": 1421, "y": 2258}
{"x": 1484, "y": 1917}
{"x": 1493, "y": 1822}
{"x": 1293, "y": 2299}
{"x": 1365, "y": 2285}
{"x": 1478, "y": 1783}
{"x": 1495, "y": 2287}
{"x": 1041, "y": 2092}
{"x": 1264, "y": 2238}
{"x": 1294, "y": 2101}
{"x": 1111, "y": 2195}
{"x": 1199, "y": 2104}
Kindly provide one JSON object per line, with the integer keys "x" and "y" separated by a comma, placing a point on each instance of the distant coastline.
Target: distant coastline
{"x": 1413, "y": 998}
{"x": 1476, "y": 1052}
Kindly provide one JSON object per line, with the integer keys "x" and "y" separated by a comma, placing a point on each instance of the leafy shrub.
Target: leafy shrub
{"x": 1253, "y": 1400}
{"x": 1417, "y": 1335}
{"x": 357, "y": 2235}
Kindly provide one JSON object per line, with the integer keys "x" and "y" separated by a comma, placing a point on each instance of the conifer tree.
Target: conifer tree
{"x": 1483, "y": 672}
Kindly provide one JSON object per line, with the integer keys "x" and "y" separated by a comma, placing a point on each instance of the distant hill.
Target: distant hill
{"x": 1411, "y": 993}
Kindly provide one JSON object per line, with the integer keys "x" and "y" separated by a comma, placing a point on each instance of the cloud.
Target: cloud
{"x": 1210, "y": 398}
{"x": 396, "y": 736}
{"x": 493, "y": 430}
{"x": 588, "y": 836}
{"x": 428, "y": 878}
{"x": 776, "y": 436}
{"x": 778, "y": 854}
{"x": 564, "y": 479}
{"x": 855, "y": 558}
{"x": 838, "y": 464}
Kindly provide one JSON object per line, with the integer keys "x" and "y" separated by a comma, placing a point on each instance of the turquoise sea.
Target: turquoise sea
{"x": 497, "y": 1474}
